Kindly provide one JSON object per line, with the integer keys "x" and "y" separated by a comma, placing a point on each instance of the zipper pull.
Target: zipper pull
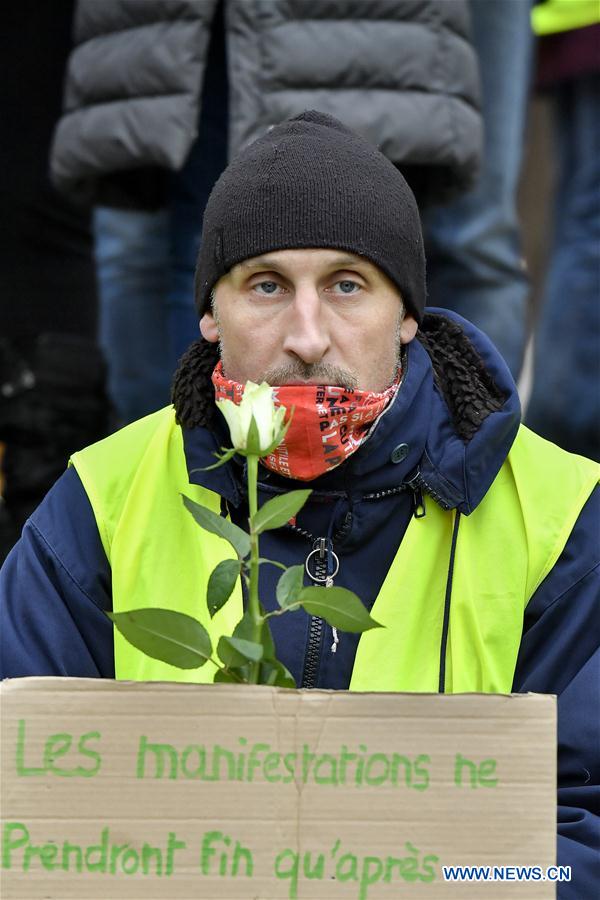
{"x": 328, "y": 584}
{"x": 336, "y": 639}
{"x": 419, "y": 511}
{"x": 418, "y": 500}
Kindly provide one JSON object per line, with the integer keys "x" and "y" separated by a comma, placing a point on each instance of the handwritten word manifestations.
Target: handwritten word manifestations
{"x": 259, "y": 762}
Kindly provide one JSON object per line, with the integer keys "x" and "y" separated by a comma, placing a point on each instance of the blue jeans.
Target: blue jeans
{"x": 565, "y": 399}
{"x": 475, "y": 266}
{"x": 145, "y": 265}
{"x": 132, "y": 272}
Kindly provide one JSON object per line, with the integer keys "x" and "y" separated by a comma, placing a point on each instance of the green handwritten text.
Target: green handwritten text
{"x": 20, "y": 852}
{"x": 57, "y": 746}
{"x": 366, "y": 871}
{"x": 259, "y": 762}
{"x": 479, "y": 774}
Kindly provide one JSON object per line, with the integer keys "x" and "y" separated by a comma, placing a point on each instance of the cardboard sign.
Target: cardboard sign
{"x": 136, "y": 790}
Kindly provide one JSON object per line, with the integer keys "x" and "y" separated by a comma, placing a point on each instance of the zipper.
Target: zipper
{"x": 389, "y": 492}
{"x": 315, "y": 637}
{"x": 419, "y": 488}
{"x": 418, "y": 502}
{"x": 313, "y": 652}
{"x": 416, "y": 485}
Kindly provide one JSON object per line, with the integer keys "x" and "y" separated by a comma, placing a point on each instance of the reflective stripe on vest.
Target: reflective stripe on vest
{"x": 160, "y": 557}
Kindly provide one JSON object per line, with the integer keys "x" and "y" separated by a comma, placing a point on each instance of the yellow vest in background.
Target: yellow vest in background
{"x": 553, "y": 16}
{"x": 160, "y": 557}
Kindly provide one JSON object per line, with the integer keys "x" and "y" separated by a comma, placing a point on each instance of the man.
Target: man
{"x": 471, "y": 539}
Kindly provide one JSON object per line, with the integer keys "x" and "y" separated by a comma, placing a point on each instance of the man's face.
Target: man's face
{"x": 309, "y": 316}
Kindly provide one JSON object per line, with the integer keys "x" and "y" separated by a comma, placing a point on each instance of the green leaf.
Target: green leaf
{"x": 164, "y": 634}
{"x": 279, "y": 510}
{"x": 253, "y": 439}
{"x": 289, "y": 586}
{"x": 221, "y": 584}
{"x": 338, "y": 606}
{"x": 206, "y": 518}
{"x": 267, "y": 639}
{"x": 237, "y": 651}
{"x": 245, "y": 630}
{"x": 231, "y": 676}
{"x": 275, "y": 673}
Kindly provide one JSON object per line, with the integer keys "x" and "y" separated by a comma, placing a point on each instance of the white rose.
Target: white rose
{"x": 256, "y": 426}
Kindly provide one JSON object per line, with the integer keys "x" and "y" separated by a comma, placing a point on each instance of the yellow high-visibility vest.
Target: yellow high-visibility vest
{"x": 161, "y": 557}
{"x": 554, "y": 16}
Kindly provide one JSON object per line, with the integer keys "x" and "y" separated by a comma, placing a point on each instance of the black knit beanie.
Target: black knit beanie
{"x": 312, "y": 182}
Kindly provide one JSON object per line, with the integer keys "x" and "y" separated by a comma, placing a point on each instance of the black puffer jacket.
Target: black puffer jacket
{"x": 402, "y": 72}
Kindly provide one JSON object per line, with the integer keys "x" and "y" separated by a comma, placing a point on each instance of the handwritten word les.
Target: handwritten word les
{"x": 57, "y": 746}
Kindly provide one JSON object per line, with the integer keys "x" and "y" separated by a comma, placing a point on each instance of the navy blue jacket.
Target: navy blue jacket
{"x": 56, "y": 582}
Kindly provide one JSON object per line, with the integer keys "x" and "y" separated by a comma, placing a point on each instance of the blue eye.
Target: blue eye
{"x": 268, "y": 287}
{"x": 348, "y": 287}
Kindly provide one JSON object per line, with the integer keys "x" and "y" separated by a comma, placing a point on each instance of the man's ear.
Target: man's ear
{"x": 208, "y": 328}
{"x": 408, "y": 329}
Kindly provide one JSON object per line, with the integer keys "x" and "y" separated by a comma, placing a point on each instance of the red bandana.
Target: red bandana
{"x": 328, "y": 425}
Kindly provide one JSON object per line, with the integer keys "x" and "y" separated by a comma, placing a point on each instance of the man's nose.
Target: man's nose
{"x": 307, "y": 334}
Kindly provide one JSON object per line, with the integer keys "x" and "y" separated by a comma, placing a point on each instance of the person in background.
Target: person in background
{"x": 474, "y": 256}
{"x": 190, "y": 84}
{"x": 565, "y": 400}
{"x": 145, "y": 257}
{"x": 53, "y": 396}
